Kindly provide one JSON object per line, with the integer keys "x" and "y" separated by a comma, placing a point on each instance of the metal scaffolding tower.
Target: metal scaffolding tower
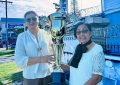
{"x": 74, "y": 6}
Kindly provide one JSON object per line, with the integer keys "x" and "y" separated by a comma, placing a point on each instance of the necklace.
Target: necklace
{"x": 38, "y": 41}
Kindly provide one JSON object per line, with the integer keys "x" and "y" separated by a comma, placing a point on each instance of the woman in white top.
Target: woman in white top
{"x": 86, "y": 65}
{"x": 32, "y": 52}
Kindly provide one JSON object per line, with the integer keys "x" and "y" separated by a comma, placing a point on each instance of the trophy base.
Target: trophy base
{"x": 58, "y": 78}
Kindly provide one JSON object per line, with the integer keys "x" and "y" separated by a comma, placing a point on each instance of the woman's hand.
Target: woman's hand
{"x": 65, "y": 67}
{"x": 47, "y": 59}
{"x": 41, "y": 59}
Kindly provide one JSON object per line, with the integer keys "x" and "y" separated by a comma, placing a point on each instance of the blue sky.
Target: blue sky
{"x": 42, "y": 7}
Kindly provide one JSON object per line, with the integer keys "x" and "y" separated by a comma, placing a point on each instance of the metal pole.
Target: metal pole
{"x": 102, "y": 6}
{"x": 74, "y": 6}
{"x": 6, "y": 25}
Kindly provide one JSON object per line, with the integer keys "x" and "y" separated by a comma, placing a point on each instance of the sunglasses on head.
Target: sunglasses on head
{"x": 31, "y": 19}
{"x": 83, "y": 31}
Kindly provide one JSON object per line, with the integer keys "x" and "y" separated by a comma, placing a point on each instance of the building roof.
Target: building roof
{"x": 18, "y": 20}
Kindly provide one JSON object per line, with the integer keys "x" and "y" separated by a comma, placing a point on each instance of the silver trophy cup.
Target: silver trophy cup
{"x": 57, "y": 22}
{"x": 57, "y": 25}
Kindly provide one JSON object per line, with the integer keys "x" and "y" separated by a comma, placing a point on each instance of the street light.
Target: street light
{"x": 57, "y": 6}
{"x": 6, "y": 2}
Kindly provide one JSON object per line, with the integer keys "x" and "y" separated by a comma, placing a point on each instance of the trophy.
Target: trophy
{"x": 57, "y": 28}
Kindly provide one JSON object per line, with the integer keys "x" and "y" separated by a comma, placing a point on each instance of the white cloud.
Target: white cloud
{"x": 89, "y": 3}
{"x": 19, "y": 7}
{"x": 42, "y": 7}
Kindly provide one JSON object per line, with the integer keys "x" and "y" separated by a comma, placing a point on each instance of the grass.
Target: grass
{"x": 6, "y": 53}
{"x": 9, "y": 72}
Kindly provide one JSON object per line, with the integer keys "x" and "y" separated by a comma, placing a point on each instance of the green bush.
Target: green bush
{"x": 6, "y": 52}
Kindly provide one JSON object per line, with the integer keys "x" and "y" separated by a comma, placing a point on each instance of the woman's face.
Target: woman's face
{"x": 83, "y": 34}
{"x": 31, "y": 21}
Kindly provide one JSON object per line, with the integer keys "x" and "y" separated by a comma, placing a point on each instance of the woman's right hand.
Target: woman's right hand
{"x": 47, "y": 59}
{"x": 42, "y": 59}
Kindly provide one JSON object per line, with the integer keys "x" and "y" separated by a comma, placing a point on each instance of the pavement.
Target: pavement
{"x": 4, "y": 59}
{"x": 2, "y": 48}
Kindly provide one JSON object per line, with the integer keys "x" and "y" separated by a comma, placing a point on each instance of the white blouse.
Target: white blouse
{"x": 27, "y": 46}
{"x": 92, "y": 62}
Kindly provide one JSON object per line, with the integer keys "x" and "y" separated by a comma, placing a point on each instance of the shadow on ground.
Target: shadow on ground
{"x": 16, "y": 77}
